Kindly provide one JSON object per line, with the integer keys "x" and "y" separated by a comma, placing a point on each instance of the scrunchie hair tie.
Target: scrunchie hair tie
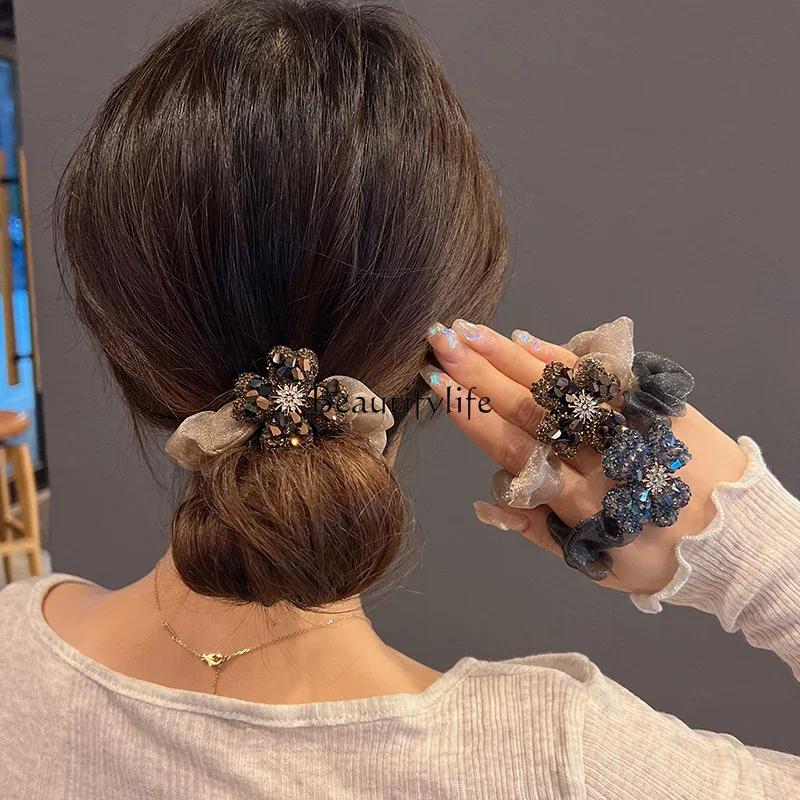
{"x": 654, "y": 389}
{"x": 585, "y": 546}
{"x": 287, "y": 408}
{"x": 661, "y": 387}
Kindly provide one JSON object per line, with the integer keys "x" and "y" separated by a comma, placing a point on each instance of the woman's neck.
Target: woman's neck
{"x": 235, "y": 626}
{"x": 124, "y": 630}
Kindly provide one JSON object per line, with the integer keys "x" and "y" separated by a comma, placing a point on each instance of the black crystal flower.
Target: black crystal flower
{"x": 577, "y": 405}
{"x": 651, "y": 492}
{"x": 288, "y": 403}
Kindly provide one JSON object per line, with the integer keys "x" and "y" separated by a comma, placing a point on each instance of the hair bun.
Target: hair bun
{"x": 308, "y": 526}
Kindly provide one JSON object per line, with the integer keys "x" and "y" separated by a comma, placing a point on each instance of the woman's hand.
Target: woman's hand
{"x": 474, "y": 356}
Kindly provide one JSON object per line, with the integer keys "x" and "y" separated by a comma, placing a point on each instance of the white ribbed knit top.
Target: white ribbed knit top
{"x": 548, "y": 726}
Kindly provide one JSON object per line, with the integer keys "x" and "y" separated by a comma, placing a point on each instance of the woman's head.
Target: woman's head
{"x": 279, "y": 173}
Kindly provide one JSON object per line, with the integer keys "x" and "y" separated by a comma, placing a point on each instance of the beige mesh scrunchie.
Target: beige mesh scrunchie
{"x": 207, "y": 434}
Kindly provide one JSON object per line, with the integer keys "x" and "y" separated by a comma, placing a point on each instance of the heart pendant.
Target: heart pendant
{"x": 213, "y": 659}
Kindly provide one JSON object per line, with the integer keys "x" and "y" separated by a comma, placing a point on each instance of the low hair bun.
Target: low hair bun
{"x": 306, "y": 526}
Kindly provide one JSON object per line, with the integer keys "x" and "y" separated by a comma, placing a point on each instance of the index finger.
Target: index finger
{"x": 521, "y": 360}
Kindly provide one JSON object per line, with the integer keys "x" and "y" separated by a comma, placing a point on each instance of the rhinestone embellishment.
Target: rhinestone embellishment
{"x": 584, "y": 407}
{"x": 649, "y": 490}
{"x": 289, "y": 399}
{"x": 574, "y": 400}
{"x": 657, "y": 478}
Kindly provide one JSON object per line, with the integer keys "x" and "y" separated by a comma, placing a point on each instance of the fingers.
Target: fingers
{"x": 522, "y": 361}
{"x": 544, "y": 351}
{"x": 587, "y": 461}
{"x": 579, "y": 499}
{"x": 531, "y": 523}
{"x": 505, "y": 443}
{"x": 509, "y": 397}
{"x": 502, "y": 371}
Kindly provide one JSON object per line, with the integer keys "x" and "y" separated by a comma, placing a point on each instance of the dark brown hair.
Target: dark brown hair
{"x": 279, "y": 173}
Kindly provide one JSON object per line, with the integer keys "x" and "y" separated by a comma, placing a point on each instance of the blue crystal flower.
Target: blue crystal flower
{"x": 650, "y": 491}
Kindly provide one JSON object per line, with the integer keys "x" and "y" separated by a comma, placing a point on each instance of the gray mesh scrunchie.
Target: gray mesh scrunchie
{"x": 658, "y": 392}
{"x": 584, "y": 546}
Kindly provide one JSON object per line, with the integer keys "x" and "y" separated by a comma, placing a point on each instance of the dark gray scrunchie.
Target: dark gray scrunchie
{"x": 662, "y": 386}
{"x": 585, "y": 546}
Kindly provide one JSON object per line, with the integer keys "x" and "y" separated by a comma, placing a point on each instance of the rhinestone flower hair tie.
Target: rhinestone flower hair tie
{"x": 648, "y": 491}
{"x": 574, "y": 401}
{"x": 654, "y": 387}
{"x": 611, "y": 387}
{"x": 285, "y": 408}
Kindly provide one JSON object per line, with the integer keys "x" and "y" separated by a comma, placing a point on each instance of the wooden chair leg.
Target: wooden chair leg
{"x": 24, "y": 479}
{"x": 6, "y": 533}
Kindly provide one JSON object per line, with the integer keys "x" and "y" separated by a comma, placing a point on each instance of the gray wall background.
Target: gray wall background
{"x": 649, "y": 159}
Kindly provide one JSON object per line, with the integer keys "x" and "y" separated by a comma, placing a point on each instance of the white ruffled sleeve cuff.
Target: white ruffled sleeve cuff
{"x": 745, "y": 566}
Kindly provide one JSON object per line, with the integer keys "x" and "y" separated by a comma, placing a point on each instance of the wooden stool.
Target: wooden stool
{"x": 18, "y": 535}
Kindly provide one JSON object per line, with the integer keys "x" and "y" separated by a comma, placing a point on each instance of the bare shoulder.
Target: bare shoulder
{"x": 421, "y": 673}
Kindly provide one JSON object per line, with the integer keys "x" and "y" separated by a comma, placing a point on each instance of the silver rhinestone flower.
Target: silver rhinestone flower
{"x": 584, "y": 406}
{"x": 290, "y": 398}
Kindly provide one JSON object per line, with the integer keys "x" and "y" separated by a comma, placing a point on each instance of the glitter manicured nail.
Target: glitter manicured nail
{"x": 470, "y": 331}
{"x": 526, "y": 340}
{"x": 448, "y": 333}
{"x": 452, "y": 338}
{"x": 505, "y": 519}
{"x": 434, "y": 377}
{"x": 446, "y": 343}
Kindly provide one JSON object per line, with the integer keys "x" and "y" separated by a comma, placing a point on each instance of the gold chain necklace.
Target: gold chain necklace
{"x": 217, "y": 660}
